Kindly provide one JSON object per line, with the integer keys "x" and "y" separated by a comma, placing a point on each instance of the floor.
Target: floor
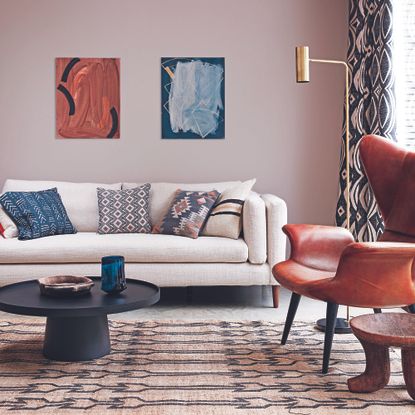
{"x": 225, "y": 303}
{"x": 229, "y": 303}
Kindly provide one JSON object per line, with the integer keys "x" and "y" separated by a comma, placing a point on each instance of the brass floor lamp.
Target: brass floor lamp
{"x": 303, "y": 75}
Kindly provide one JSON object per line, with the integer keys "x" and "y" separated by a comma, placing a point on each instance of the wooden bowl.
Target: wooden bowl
{"x": 65, "y": 286}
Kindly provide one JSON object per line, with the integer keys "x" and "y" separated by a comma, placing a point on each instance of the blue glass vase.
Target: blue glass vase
{"x": 112, "y": 274}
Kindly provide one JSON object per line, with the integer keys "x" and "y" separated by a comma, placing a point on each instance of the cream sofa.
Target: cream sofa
{"x": 162, "y": 259}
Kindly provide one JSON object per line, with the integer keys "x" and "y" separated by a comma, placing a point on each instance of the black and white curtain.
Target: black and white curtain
{"x": 372, "y": 107}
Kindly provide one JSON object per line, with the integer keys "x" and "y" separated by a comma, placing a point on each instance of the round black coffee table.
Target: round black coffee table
{"x": 76, "y": 327}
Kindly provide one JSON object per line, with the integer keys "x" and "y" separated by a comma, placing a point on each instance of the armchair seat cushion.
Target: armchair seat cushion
{"x": 299, "y": 278}
{"x": 86, "y": 247}
{"x": 371, "y": 275}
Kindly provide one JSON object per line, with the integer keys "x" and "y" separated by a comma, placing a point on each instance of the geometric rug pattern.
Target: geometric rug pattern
{"x": 182, "y": 367}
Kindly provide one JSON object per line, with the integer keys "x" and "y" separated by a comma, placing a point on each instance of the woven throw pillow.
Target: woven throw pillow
{"x": 8, "y": 229}
{"x": 187, "y": 213}
{"x": 37, "y": 214}
{"x": 225, "y": 219}
{"x": 124, "y": 211}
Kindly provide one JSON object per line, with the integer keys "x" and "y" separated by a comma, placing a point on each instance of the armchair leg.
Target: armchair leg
{"x": 331, "y": 316}
{"x": 377, "y": 310}
{"x": 295, "y": 300}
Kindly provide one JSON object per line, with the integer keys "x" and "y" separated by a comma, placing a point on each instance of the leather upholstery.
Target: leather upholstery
{"x": 317, "y": 246}
{"x": 326, "y": 263}
{"x": 391, "y": 174}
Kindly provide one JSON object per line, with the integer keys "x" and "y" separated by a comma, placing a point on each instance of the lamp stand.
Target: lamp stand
{"x": 342, "y": 324}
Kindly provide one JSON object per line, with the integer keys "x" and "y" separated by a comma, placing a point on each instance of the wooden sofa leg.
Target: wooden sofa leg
{"x": 275, "y": 295}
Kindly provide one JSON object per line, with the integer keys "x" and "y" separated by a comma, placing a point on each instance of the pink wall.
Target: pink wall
{"x": 286, "y": 135}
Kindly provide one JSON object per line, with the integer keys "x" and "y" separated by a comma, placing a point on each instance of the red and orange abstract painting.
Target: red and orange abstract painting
{"x": 87, "y": 98}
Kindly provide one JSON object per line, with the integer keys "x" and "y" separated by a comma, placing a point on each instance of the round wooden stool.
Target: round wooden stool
{"x": 377, "y": 332}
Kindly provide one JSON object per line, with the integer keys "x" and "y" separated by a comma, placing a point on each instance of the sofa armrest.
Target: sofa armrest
{"x": 255, "y": 228}
{"x": 276, "y": 210}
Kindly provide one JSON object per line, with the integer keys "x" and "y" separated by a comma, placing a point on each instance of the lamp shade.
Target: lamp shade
{"x": 302, "y": 61}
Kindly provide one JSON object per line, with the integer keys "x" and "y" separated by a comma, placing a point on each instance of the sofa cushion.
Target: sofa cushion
{"x": 8, "y": 228}
{"x": 80, "y": 199}
{"x": 226, "y": 217}
{"x": 124, "y": 211}
{"x": 37, "y": 214}
{"x": 162, "y": 194}
{"x": 187, "y": 214}
{"x": 86, "y": 247}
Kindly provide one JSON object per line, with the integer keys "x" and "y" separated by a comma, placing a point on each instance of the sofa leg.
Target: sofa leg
{"x": 331, "y": 317}
{"x": 295, "y": 300}
{"x": 275, "y": 295}
{"x": 377, "y": 310}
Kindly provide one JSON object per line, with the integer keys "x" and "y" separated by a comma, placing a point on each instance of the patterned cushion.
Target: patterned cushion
{"x": 187, "y": 213}
{"x": 225, "y": 220}
{"x": 124, "y": 211}
{"x": 8, "y": 229}
{"x": 37, "y": 214}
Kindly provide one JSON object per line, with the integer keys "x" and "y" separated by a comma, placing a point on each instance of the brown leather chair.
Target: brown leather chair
{"x": 326, "y": 264}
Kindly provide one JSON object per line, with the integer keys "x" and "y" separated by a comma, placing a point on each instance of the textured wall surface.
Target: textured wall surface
{"x": 286, "y": 135}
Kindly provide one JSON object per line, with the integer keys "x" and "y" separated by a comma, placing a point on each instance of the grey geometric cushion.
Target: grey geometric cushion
{"x": 124, "y": 211}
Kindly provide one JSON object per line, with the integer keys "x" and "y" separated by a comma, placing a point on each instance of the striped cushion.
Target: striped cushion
{"x": 225, "y": 218}
{"x": 228, "y": 207}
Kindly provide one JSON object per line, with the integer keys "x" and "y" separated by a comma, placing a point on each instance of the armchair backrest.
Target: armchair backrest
{"x": 390, "y": 170}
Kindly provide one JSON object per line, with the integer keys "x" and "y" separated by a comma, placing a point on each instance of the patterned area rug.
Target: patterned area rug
{"x": 192, "y": 368}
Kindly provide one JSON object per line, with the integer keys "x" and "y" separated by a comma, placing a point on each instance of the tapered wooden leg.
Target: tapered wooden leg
{"x": 275, "y": 295}
{"x": 377, "y": 372}
{"x": 331, "y": 316}
{"x": 408, "y": 367}
{"x": 377, "y": 310}
{"x": 295, "y": 300}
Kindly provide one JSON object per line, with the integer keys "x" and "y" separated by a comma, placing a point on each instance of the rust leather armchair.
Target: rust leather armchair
{"x": 326, "y": 264}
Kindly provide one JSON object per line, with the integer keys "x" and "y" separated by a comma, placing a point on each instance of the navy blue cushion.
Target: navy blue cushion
{"x": 37, "y": 214}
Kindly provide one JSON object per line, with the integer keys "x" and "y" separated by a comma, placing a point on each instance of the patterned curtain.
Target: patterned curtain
{"x": 372, "y": 107}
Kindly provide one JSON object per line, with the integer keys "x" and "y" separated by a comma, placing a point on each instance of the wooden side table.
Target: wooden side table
{"x": 376, "y": 333}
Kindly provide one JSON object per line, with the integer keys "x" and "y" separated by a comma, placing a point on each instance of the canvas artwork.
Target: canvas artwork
{"x": 193, "y": 98}
{"x": 87, "y": 98}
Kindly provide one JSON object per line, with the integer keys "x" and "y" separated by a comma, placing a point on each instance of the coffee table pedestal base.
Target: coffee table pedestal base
{"x": 72, "y": 339}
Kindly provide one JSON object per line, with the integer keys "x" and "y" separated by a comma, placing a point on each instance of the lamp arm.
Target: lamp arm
{"x": 343, "y": 63}
{"x": 348, "y": 72}
{"x": 328, "y": 61}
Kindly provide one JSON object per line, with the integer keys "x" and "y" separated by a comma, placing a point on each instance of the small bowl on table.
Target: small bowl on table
{"x": 65, "y": 286}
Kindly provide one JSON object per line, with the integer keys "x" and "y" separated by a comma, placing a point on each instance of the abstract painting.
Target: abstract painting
{"x": 193, "y": 98}
{"x": 87, "y": 98}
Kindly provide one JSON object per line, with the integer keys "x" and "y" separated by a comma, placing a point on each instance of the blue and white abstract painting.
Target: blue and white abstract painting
{"x": 193, "y": 98}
